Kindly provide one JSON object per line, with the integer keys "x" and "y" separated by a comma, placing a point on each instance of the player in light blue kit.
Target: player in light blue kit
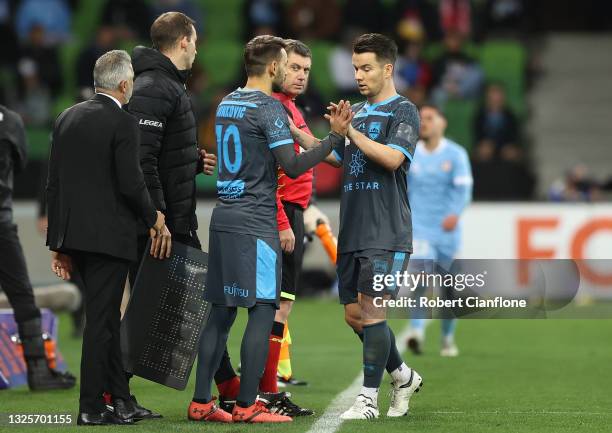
{"x": 439, "y": 189}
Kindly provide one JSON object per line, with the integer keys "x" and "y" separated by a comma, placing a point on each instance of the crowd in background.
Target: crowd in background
{"x": 31, "y": 74}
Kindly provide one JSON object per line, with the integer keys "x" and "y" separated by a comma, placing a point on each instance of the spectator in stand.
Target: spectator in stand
{"x": 504, "y": 18}
{"x": 52, "y": 15}
{"x": 341, "y": 66}
{"x": 45, "y": 59}
{"x": 103, "y": 42}
{"x": 410, "y": 14}
{"x": 187, "y": 7}
{"x": 131, "y": 19}
{"x": 455, "y": 16}
{"x": 495, "y": 122}
{"x": 456, "y": 75}
{"x": 34, "y": 105}
{"x": 368, "y": 14}
{"x": 497, "y": 179}
{"x": 413, "y": 73}
{"x": 577, "y": 186}
{"x": 314, "y": 19}
{"x": 263, "y": 17}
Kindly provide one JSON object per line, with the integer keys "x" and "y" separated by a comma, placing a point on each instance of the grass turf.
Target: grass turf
{"x": 511, "y": 376}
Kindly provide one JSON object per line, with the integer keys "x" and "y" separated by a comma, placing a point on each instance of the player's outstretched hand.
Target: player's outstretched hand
{"x": 209, "y": 160}
{"x": 340, "y": 117}
{"x": 61, "y": 265}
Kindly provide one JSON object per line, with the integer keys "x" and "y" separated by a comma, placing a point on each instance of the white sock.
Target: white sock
{"x": 448, "y": 340}
{"x": 371, "y": 393}
{"x": 401, "y": 374}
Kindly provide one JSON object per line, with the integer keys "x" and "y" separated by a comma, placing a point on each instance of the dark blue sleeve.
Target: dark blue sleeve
{"x": 275, "y": 124}
{"x": 404, "y": 129}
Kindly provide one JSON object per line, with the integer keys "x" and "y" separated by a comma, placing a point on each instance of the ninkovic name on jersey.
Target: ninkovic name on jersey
{"x": 361, "y": 186}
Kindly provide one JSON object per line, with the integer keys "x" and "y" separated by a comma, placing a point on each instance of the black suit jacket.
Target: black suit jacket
{"x": 95, "y": 189}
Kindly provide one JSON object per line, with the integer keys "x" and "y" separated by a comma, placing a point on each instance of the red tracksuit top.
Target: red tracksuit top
{"x": 297, "y": 191}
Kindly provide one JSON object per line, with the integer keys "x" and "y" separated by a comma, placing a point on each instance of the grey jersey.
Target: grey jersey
{"x": 249, "y": 124}
{"x": 374, "y": 210}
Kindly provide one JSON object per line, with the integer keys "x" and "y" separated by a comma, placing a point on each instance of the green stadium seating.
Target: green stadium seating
{"x": 504, "y": 61}
{"x": 460, "y": 115}
{"x": 320, "y": 74}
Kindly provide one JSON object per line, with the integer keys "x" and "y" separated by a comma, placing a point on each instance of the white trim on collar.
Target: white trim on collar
{"x": 443, "y": 143}
{"x": 109, "y": 96}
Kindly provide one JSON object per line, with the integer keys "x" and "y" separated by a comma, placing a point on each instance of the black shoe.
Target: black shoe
{"x": 104, "y": 418}
{"x": 280, "y": 403}
{"x": 292, "y": 381}
{"x": 125, "y": 409}
{"x": 227, "y": 404}
{"x": 414, "y": 344}
{"x": 43, "y": 378}
{"x": 142, "y": 412}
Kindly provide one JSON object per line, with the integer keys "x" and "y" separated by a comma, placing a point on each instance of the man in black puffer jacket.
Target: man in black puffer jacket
{"x": 169, "y": 153}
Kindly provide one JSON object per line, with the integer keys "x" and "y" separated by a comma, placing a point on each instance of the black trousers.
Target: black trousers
{"x": 14, "y": 279}
{"x": 101, "y": 366}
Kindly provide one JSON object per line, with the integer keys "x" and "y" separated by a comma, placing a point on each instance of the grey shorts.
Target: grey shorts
{"x": 243, "y": 270}
{"x": 358, "y": 270}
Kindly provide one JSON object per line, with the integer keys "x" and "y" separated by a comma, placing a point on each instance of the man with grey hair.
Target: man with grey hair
{"x": 96, "y": 198}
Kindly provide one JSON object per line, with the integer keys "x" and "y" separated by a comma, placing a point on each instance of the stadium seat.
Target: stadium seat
{"x": 460, "y": 115}
{"x": 222, "y": 61}
{"x": 320, "y": 75}
{"x": 504, "y": 61}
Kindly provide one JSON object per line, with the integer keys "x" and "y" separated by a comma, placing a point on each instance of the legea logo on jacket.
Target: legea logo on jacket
{"x": 153, "y": 123}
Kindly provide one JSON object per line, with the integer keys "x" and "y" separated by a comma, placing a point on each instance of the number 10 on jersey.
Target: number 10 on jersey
{"x": 224, "y": 136}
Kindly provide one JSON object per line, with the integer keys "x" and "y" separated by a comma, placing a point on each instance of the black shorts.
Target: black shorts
{"x": 292, "y": 263}
{"x": 243, "y": 270}
{"x": 359, "y": 271}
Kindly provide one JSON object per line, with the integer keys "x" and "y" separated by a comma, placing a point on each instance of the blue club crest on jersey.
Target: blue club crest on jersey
{"x": 374, "y": 130}
{"x": 278, "y": 123}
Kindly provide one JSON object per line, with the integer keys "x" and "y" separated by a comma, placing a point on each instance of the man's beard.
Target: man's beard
{"x": 276, "y": 88}
{"x": 277, "y": 84}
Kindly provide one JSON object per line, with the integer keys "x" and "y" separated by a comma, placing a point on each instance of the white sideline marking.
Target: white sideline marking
{"x": 330, "y": 421}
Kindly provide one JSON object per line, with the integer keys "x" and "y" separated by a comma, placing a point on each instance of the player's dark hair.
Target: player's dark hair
{"x": 384, "y": 47}
{"x": 260, "y": 51}
{"x": 169, "y": 28}
{"x": 433, "y": 107}
{"x": 298, "y": 47}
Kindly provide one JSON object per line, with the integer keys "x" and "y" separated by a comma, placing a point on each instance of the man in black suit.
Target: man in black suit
{"x": 96, "y": 196}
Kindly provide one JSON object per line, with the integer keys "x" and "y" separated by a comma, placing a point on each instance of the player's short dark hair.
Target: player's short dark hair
{"x": 385, "y": 48}
{"x": 260, "y": 51}
{"x": 169, "y": 28}
{"x": 433, "y": 107}
{"x": 298, "y": 47}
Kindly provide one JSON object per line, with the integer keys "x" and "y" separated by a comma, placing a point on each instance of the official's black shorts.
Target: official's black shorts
{"x": 243, "y": 270}
{"x": 363, "y": 271}
{"x": 292, "y": 263}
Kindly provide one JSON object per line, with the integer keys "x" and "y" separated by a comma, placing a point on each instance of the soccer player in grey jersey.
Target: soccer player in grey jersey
{"x": 375, "y": 228}
{"x": 253, "y": 135}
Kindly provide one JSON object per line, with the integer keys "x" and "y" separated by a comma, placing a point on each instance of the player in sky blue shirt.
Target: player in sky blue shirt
{"x": 439, "y": 189}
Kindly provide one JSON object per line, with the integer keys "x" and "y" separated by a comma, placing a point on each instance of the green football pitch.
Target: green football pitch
{"x": 511, "y": 376}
